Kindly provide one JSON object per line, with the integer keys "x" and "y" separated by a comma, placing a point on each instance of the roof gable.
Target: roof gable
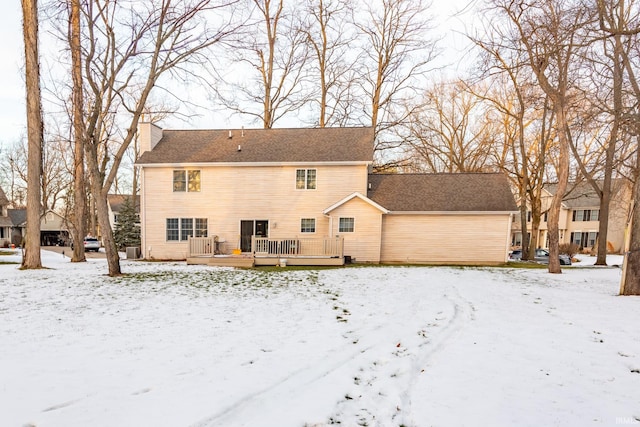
{"x": 351, "y": 197}
{"x": 455, "y": 192}
{"x": 262, "y": 146}
{"x": 18, "y": 216}
{"x": 582, "y": 195}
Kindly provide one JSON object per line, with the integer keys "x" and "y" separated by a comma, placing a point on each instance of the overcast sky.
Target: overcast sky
{"x": 12, "y": 104}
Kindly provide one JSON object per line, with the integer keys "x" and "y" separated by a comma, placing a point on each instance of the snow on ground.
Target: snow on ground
{"x": 176, "y": 345}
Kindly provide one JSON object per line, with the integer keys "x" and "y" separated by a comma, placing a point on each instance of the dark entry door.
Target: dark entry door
{"x": 248, "y": 228}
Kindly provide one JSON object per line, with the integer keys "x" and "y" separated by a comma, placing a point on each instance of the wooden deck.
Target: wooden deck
{"x": 269, "y": 252}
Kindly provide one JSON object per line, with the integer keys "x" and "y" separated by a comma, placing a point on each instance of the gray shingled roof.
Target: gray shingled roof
{"x": 263, "y": 145}
{"x": 465, "y": 192}
{"x": 582, "y": 194}
{"x": 18, "y": 216}
{"x": 116, "y": 201}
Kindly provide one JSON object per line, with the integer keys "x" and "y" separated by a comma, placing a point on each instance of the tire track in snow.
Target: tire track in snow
{"x": 376, "y": 400}
{"x": 288, "y": 387}
{"x": 463, "y": 313}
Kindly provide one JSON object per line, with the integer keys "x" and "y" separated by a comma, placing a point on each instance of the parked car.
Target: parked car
{"x": 90, "y": 244}
{"x": 541, "y": 256}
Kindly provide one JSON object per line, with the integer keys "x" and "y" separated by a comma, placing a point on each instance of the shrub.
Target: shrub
{"x": 569, "y": 249}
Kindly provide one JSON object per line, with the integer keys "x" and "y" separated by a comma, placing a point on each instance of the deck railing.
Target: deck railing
{"x": 328, "y": 247}
{"x": 297, "y": 247}
{"x": 202, "y": 246}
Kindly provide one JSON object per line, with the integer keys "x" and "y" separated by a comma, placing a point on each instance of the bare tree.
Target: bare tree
{"x": 329, "y": 35}
{"x": 451, "y": 132}
{"x": 126, "y": 50}
{"x": 31, "y": 258}
{"x": 396, "y": 51}
{"x": 619, "y": 20}
{"x": 79, "y": 199}
{"x": 549, "y": 33}
{"x": 54, "y": 178}
{"x": 273, "y": 52}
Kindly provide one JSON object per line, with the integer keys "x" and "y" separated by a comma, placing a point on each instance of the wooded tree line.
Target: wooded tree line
{"x": 550, "y": 97}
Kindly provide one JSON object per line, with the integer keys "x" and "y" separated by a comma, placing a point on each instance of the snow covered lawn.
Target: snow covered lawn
{"x": 176, "y": 345}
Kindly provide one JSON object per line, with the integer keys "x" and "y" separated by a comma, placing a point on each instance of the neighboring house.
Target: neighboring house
{"x": 53, "y": 229}
{"x": 279, "y": 191}
{"x": 13, "y": 223}
{"x": 579, "y": 216}
{"x": 6, "y": 224}
{"x": 115, "y": 202}
{"x": 19, "y": 225}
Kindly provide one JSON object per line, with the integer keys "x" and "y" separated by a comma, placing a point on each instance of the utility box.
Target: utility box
{"x": 133, "y": 252}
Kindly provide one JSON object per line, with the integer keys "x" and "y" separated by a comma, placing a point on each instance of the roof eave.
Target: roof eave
{"x": 252, "y": 164}
{"x": 453, "y": 212}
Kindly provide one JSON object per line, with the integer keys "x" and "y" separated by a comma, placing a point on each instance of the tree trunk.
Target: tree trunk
{"x": 536, "y": 209}
{"x": 630, "y": 284}
{"x": 79, "y": 198}
{"x": 31, "y": 257}
{"x": 563, "y": 179}
{"x": 102, "y": 210}
{"x": 631, "y": 276}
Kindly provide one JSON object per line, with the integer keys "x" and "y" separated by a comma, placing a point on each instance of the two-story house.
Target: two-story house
{"x": 296, "y": 186}
{"x": 579, "y": 220}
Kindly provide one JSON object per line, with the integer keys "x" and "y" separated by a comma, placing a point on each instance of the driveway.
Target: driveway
{"x": 68, "y": 252}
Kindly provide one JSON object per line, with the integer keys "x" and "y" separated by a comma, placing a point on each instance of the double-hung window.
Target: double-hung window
{"x": 173, "y": 229}
{"x": 346, "y": 225}
{"x": 308, "y": 225}
{"x": 180, "y": 229}
{"x": 305, "y": 179}
{"x": 586, "y": 215}
{"x": 186, "y": 228}
{"x": 186, "y": 180}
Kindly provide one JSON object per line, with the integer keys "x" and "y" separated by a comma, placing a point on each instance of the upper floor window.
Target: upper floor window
{"x": 186, "y": 180}
{"x": 305, "y": 179}
{"x": 308, "y": 225}
{"x": 586, "y": 215}
{"x": 346, "y": 225}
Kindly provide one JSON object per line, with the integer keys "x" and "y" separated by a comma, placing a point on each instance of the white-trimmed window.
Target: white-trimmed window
{"x": 308, "y": 225}
{"x": 306, "y": 179}
{"x": 586, "y": 215}
{"x": 346, "y": 225}
{"x": 186, "y": 180}
{"x": 180, "y": 229}
{"x": 173, "y": 229}
{"x": 186, "y": 228}
{"x": 201, "y": 227}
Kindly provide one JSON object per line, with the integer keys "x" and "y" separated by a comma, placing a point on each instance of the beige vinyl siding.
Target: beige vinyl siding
{"x": 51, "y": 221}
{"x": 363, "y": 244}
{"x": 231, "y": 194}
{"x": 445, "y": 239}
